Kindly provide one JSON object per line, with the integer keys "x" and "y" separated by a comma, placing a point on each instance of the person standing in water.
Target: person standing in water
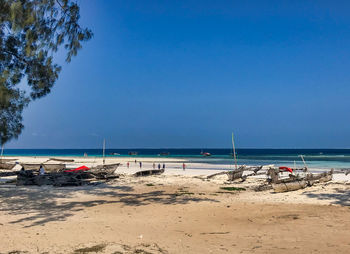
{"x": 183, "y": 166}
{"x": 128, "y": 164}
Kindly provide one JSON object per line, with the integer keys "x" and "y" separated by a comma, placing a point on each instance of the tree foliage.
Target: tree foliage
{"x": 31, "y": 31}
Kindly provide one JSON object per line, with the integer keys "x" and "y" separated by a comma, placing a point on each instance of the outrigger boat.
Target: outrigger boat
{"x": 7, "y": 166}
{"x": 47, "y": 167}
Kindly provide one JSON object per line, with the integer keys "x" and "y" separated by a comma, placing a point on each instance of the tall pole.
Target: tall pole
{"x": 103, "y": 152}
{"x": 234, "y": 151}
{"x": 302, "y": 157}
{"x": 2, "y": 150}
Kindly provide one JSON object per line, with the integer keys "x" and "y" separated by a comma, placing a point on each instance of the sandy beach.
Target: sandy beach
{"x": 179, "y": 211}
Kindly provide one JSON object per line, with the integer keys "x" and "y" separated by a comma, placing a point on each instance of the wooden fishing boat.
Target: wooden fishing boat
{"x": 319, "y": 178}
{"x": 7, "y": 166}
{"x": 236, "y": 174}
{"x": 149, "y": 172}
{"x": 106, "y": 166}
{"x": 7, "y": 160}
{"x": 59, "y": 159}
{"x": 55, "y": 178}
{"x": 47, "y": 167}
{"x": 8, "y": 173}
{"x": 285, "y": 186}
{"x": 294, "y": 183}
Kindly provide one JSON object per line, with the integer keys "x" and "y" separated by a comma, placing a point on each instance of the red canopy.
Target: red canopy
{"x": 287, "y": 169}
{"x": 82, "y": 168}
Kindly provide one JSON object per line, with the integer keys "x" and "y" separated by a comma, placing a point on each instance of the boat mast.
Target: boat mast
{"x": 103, "y": 151}
{"x": 2, "y": 151}
{"x": 234, "y": 151}
{"x": 302, "y": 157}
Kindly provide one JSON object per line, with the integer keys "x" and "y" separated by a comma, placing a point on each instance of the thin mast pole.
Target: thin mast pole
{"x": 2, "y": 151}
{"x": 103, "y": 151}
{"x": 234, "y": 151}
{"x": 302, "y": 157}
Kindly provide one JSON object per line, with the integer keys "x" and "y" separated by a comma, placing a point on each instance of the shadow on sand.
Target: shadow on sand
{"x": 340, "y": 197}
{"x": 40, "y": 205}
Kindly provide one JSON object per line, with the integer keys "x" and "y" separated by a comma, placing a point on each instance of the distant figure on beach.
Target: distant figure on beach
{"x": 183, "y": 166}
{"x": 135, "y": 161}
{"x": 41, "y": 170}
{"x": 85, "y": 155}
{"x": 154, "y": 165}
{"x": 128, "y": 164}
{"x": 158, "y": 166}
{"x": 140, "y": 164}
{"x": 163, "y": 166}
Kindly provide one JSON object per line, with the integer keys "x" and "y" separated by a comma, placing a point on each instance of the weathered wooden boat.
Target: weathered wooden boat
{"x": 76, "y": 178}
{"x": 31, "y": 177}
{"x": 294, "y": 183}
{"x": 105, "y": 175}
{"x": 319, "y": 178}
{"x": 106, "y": 166}
{"x": 284, "y": 186}
{"x": 238, "y": 173}
{"x": 61, "y": 159}
{"x": 7, "y": 166}
{"x": 7, "y": 160}
{"x": 8, "y": 173}
{"x": 47, "y": 167}
{"x": 149, "y": 172}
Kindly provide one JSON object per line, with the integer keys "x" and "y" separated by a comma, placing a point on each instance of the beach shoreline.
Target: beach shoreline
{"x": 179, "y": 211}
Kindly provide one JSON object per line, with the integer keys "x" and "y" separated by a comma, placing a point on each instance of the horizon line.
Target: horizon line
{"x": 159, "y": 148}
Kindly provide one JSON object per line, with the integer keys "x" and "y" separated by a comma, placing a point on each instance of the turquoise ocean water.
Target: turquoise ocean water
{"x": 316, "y": 158}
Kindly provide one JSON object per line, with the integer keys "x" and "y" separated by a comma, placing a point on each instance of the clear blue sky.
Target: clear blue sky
{"x": 188, "y": 73}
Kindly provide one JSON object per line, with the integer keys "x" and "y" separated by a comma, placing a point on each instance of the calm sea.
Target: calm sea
{"x": 320, "y": 158}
